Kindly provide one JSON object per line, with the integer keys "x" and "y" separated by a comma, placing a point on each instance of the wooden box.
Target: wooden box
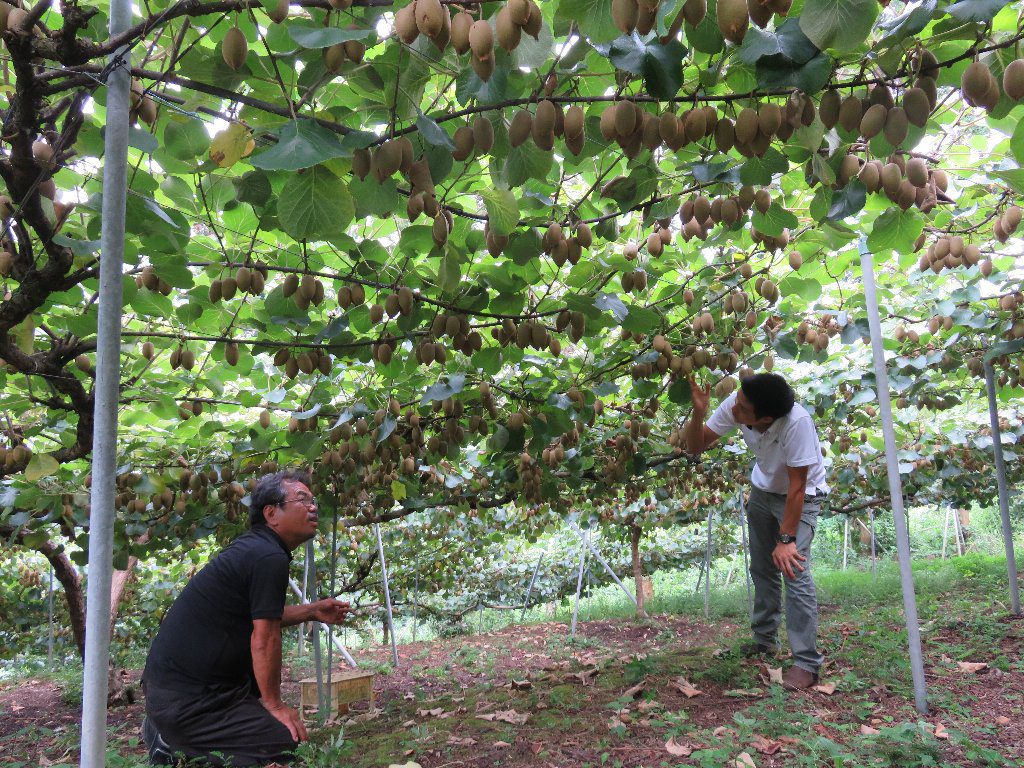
{"x": 347, "y": 686}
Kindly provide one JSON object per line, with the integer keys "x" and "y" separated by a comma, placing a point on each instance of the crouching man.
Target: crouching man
{"x": 213, "y": 675}
{"x": 788, "y": 487}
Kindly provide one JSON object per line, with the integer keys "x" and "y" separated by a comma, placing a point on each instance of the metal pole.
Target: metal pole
{"x": 746, "y": 555}
{"x": 330, "y": 627}
{"x": 846, "y": 541}
{"x": 895, "y": 484}
{"x": 579, "y": 584}
{"x": 529, "y": 589}
{"x": 597, "y": 556}
{"x": 301, "y": 594}
{"x": 945, "y": 533}
{"x": 958, "y": 528}
{"x": 416, "y": 598}
{"x": 108, "y": 374}
{"x": 318, "y": 659}
{"x": 49, "y": 611}
{"x": 387, "y": 594}
{"x": 1004, "y": 497}
{"x": 707, "y": 577}
{"x": 317, "y": 626}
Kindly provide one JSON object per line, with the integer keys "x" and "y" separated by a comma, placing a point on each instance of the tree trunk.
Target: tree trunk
{"x": 636, "y": 532}
{"x": 67, "y": 575}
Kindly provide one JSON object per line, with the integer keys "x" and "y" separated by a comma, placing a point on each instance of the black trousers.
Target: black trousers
{"x": 219, "y": 726}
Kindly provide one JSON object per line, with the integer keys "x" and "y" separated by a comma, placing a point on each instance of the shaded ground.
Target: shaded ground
{"x": 623, "y": 694}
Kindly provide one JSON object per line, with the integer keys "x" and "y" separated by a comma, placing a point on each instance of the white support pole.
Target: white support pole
{"x": 106, "y": 392}
{"x": 846, "y": 541}
{"x": 1004, "y": 497}
{"x": 301, "y": 594}
{"x": 529, "y": 589}
{"x": 895, "y": 484}
{"x": 317, "y": 626}
{"x": 874, "y": 547}
{"x": 707, "y": 570}
{"x": 579, "y": 583}
{"x": 49, "y": 612}
{"x": 387, "y": 594}
{"x": 597, "y": 556}
{"x": 945, "y": 533}
{"x": 416, "y": 598}
{"x": 958, "y": 529}
{"x": 318, "y": 659}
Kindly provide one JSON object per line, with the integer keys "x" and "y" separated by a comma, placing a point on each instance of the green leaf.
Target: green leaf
{"x": 895, "y": 230}
{"x": 660, "y": 65}
{"x": 315, "y": 204}
{"x": 842, "y": 25}
{"x": 774, "y": 220}
{"x": 594, "y": 18}
{"x": 39, "y": 466}
{"x": 706, "y": 37}
{"x": 848, "y": 200}
{"x": 449, "y": 274}
{"x": 433, "y": 133}
{"x": 525, "y": 162}
{"x": 759, "y": 170}
{"x": 534, "y": 54}
{"x": 502, "y": 209}
{"x": 809, "y": 78}
{"x": 398, "y": 490}
{"x": 788, "y": 43}
{"x": 908, "y": 23}
{"x": 1017, "y": 143}
{"x": 301, "y": 144}
{"x": 976, "y": 10}
{"x": 186, "y": 139}
{"x": 317, "y": 36}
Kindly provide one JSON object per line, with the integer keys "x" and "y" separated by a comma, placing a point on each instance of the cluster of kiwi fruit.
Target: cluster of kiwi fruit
{"x": 150, "y": 280}
{"x": 245, "y": 279}
{"x": 307, "y": 361}
{"x": 530, "y": 476}
{"x": 1007, "y": 223}
{"x": 189, "y": 408}
{"x": 303, "y": 291}
{"x": 15, "y": 456}
{"x": 698, "y": 214}
{"x": 336, "y": 55}
{"x": 562, "y": 247}
{"x": 399, "y": 302}
{"x": 457, "y": 328}
{"x": 734, "y": 16}
{"x": 351, "y": 295}
{"x": 639, "y": 15}
{"x": 980, "y": 88}
{"x": 547, "y": 123}
{"x": 182, "y": 357}
{"x": 431, "y": 19}
{"x": 950, "y": 252}
{"x": 877, "y": 111}
{"x": 906, "y": 181}
{"x": 526, "y": 334}
{"x": 634, "y": 281}
{"x": 474, "y": 138}
{"x": 817, "y": 335}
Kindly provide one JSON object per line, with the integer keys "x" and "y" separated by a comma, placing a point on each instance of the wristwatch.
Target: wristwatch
{"x": 786, "y": 538}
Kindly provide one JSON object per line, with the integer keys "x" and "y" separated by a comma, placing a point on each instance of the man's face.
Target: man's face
{"x": 743, "y": 412}
{"x": 295, "y": 518}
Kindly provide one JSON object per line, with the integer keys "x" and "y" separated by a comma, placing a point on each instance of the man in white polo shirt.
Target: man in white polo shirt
{"x": 788, "y": 486}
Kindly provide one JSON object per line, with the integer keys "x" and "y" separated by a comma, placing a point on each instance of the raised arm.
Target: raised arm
{"x": 698, "y": 436}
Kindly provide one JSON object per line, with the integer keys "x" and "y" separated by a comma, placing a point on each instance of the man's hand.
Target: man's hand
{"x": 700, "y": 396}
{"x": 787, "y": 559}
{"x": 329, "y": 611}
{"x": 289, "y": 718}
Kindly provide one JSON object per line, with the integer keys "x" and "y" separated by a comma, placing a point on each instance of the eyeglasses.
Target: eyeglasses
{"x": 307, "y": 501}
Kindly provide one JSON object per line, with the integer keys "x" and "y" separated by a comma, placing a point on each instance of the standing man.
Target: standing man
{"x": 213, "y": 674}
{"x": 788, "y": 486}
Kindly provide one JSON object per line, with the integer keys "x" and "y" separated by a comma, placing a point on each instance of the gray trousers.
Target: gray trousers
{"x": 764, "y": 517}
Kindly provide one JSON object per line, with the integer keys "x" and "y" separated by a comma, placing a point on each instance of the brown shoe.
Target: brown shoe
{"x": 798, "y": 679}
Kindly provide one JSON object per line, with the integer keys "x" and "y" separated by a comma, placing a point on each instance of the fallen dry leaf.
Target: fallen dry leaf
{"x": 765, "y": 746}
{"x": 744, "y": 760}
{"x": 405, "y": 765}
{"x": 536, "y": 747}
{"x": 502, "y": 744}
{"x": 647, "y": 706}
{"x": 521, "y": 685}
{"x": 679, "y": 750}
{"x": 1002, "y": 720}
{"x": 972, "y": 666}
{"x": 867, "y": 730}
{"x": 635, "y": 691}
{"x": 722, "y": 730}
{"x": 507, "y": 716}
{"x": 430, "y": 712}
{"x": 587, "y": 676}
{"x": 827, "y": 688}
{"x": 745, "y": 693}
{"x": 941, "y": 732}
{"x": 456, "y": 741}
{"x": 774, "y": 675}
{"x": 684, "y": 687}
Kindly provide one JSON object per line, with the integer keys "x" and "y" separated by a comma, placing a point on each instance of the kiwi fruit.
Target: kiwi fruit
{"x": 1013, "y": 80}
{"x": 460, "y": 31}
{"x": 873, "y": 121}
{"x": 769, "y": 118}
{"x": 870, "y": 176}
{"x": 725, "y": 135}
{"x": 759, "y": 14}
{"x": 439, "y": 229}
{"x": 747, "y": 126}
{"x": 625, "y": 14}
{"x": 235, "y": 48}
{"x": 975, "y": 82}
{"x": 896, "y": 126}
{"x": 508, "y": 32}
{"x": 534, "y": 22}
{"x": 334, "y": 58}
{"x": 483, "y": 135}
{"x": 916, "y": 106}
{"x": 850, "y": 113}
{"x": 573, "y": 124}
{"x": 520, "y": 128}
{"x": 694, "y": 11}
{"x": 279, "y": 12}
{"x": 355, "y": 50}
{"x": 625, "y": 119}
{"x": 733, "y": 20}
{"x": 429, "y": 14}
{"x": 518, "y": 11}
{"x": 484, "y": 68}
{"x": 917, "y": 172}
{"x": 481, "y": 39}
{"x": 828, "y": 110}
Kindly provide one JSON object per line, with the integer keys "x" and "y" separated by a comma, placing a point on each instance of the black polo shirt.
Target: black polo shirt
{"x": 204, "y": 641}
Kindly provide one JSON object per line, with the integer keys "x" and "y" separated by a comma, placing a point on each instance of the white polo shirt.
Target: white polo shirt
{"x": 790, "y": 441}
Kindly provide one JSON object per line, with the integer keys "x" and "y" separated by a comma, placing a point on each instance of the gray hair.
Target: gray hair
{"x": 269, "y": 491}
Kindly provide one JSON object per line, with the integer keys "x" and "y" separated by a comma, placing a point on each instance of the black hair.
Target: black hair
{"x": 769, "y": 395}
{"x": 270, "y": 491}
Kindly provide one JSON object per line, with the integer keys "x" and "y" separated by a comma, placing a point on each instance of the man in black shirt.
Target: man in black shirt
{"x": 213, "y": 674}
